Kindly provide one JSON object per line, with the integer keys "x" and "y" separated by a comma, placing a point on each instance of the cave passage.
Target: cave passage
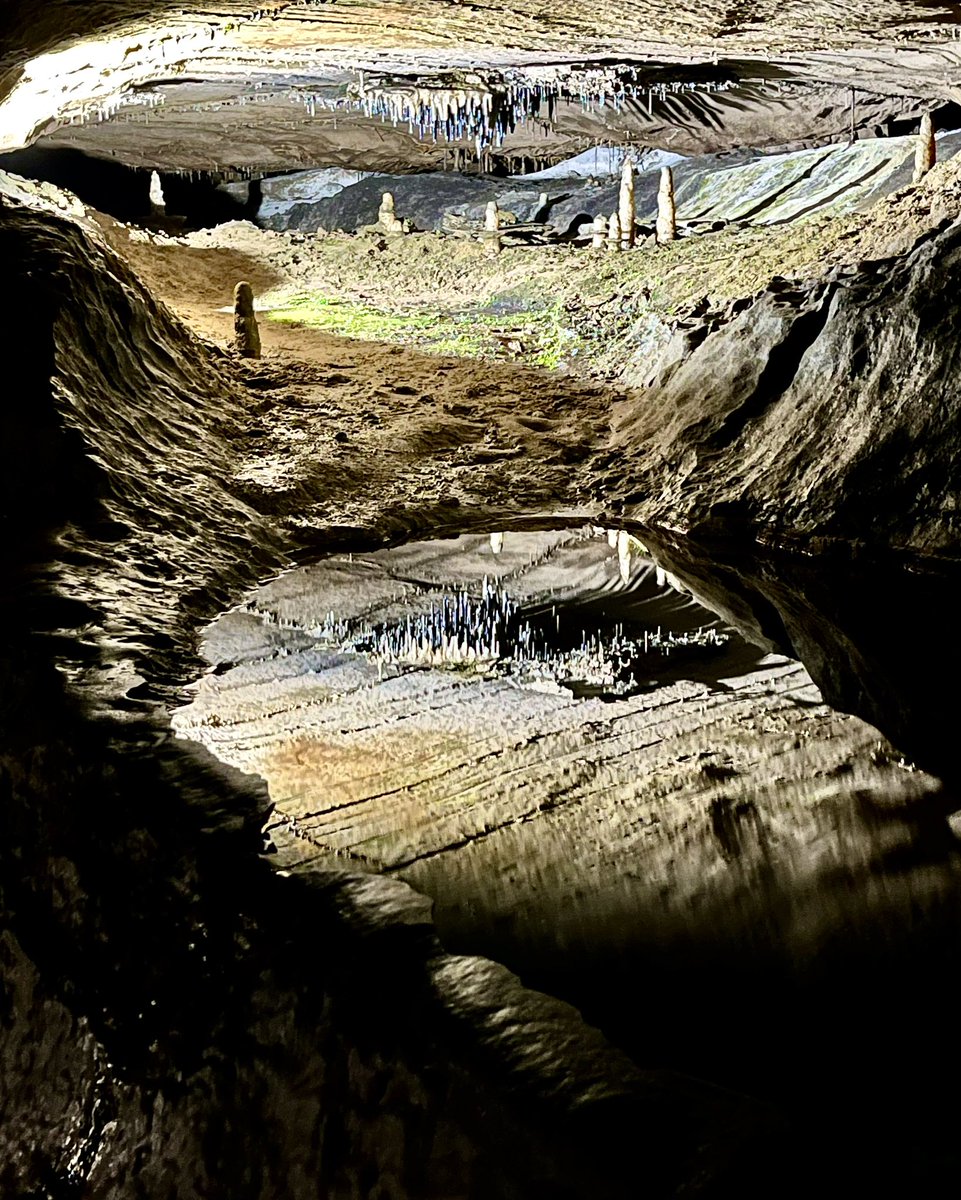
{"x": 479, "y": 684}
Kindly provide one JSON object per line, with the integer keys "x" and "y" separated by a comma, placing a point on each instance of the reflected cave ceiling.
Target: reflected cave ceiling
{"x": 396, "y": 85}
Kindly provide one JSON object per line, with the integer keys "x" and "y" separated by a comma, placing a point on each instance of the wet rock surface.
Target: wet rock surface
{"x": 684, "y": 864}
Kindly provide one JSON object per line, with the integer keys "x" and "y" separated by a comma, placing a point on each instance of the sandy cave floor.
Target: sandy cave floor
{"x": 747, "y": 814}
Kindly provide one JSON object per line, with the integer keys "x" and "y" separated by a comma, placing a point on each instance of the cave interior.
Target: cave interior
{"x": 481, "y": 561}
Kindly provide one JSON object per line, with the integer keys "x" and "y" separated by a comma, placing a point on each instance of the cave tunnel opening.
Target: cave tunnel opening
{"x": 194, "y": 199}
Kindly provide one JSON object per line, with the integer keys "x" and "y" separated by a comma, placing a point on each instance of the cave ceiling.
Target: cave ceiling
{"x": 371, "y": 84}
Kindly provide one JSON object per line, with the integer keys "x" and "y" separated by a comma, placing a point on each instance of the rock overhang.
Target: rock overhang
{"x": 306, "y": 84}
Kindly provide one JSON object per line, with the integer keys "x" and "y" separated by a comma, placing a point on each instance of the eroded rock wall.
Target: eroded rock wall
{"x": 797, "y": 462}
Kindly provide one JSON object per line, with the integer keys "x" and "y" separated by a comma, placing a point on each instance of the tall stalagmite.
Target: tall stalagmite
{"x": 246, "y": 333}
{"x": 625, "y": 209}
{"x": 666, "y": 227}
{"x": 926, "y": 154}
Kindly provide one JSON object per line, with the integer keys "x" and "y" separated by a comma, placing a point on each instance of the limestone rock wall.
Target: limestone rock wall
{"x": 821, "y": 419}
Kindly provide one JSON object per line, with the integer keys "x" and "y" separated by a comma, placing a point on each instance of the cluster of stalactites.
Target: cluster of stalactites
{"x": 488, "y": 110}
{"x": 126, "y": 103}
{"x": 460, "y": 628}
{"x": 479, "y": 110}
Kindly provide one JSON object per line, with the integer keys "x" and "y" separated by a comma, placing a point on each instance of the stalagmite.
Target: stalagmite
{"x": 387, "y": 217}
{"x": 246, "y": 333}
{"x": 497, "y": 542}
{"x": 614, "y": 232}
{"x": 158, "y": 205}
{"x": 599, "y": 235}
{"x": 624, "y": 553}
{"x": 492, "y": 225}
{"x": 626, "y": 204}
{"x": 926, "y": 154}
{"x": 666, "y": 227}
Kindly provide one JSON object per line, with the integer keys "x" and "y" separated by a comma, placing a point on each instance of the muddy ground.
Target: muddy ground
{"x": 597, "y": 316}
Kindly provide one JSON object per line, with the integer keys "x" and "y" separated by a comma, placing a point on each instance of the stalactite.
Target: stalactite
{"x": 624, "y": 554}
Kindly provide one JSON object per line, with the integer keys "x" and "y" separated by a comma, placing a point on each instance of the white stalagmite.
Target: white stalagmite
{"x": 157, "y": 202}
{"x": 387, "y": 217}
{"x": 497, "y": 542}
{"x": 612, "y": 538}
{"x": 624, "y": 553}
{"x": 492, "y": 225}
{"x": 666, "y": 227}
{"x": 926, "y": 154}
{"x": 625, "y": 210}
{"x": 599, "y": 235}
{"x": 614, "y": 232}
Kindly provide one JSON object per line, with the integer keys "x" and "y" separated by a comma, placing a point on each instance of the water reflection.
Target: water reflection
{"x": 728, "y": 876}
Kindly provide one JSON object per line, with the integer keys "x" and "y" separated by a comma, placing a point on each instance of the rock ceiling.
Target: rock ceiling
{"x": 233, "y": 87}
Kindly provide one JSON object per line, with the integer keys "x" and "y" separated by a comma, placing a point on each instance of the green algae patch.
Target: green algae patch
{"x": 350, "y": 319}
{"x": 499, "y": 328}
